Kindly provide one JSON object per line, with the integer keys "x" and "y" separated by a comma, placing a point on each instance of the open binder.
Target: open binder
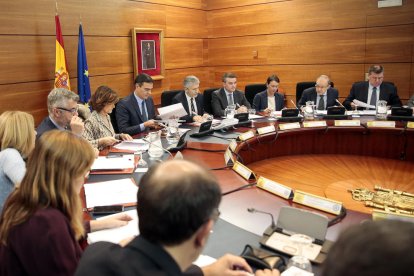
{"x": 297, "y": 221}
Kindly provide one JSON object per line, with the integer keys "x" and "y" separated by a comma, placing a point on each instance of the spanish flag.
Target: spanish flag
{"x": 61, "y": 71}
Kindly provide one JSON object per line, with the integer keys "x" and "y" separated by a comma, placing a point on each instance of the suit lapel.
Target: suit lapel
{"x": 134, "y": 103}
{"x": 223, "y": 95}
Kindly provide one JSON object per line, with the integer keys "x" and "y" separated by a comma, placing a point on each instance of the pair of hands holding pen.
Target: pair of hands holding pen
{"x": 109, "y": 140}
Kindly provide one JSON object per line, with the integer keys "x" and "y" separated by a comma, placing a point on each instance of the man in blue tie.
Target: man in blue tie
{"x": 373, "y": 90}
{"x": 136, "y": 112}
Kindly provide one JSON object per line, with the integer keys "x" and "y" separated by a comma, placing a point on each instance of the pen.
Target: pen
{"x": 114, "y": 156}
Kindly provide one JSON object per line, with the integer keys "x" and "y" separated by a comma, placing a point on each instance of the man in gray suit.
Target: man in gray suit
{"x": 323, "y": 95}
{"x": 136, "y": 112}
{"x": 228, "y": 95}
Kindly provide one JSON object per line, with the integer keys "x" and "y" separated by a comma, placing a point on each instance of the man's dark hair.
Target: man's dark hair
{"x": 375, "y": 69}
{"x": 228, "y": 76}
{"x": 141, "y": 78}
{"x": 272, "y": 78}
{"x": 175, "y": 198}
{"x": 373, "y": 248}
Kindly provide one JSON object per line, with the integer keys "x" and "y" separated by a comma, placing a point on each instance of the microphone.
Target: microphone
{"x": 293, "y": 104}
{"x": 272, "y": 227}
{"x": 336, "y": 100}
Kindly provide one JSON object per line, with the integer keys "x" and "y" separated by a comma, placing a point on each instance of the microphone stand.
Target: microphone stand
{"x": 269, "y": 230}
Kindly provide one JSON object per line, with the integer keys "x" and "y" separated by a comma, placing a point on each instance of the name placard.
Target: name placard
{"x": 267, "y": 129}
{"x": 317, "y": 202}
{"x": 228, "y": 157}
{"x": 233, "y": 145}
{"x": 381, "y": 124}
{"x": 247, "y": 135}
{"x": 315, "y": 124}
{"x": 244, "y": 171}
{"x": 274, "y": 187}
{"x": 347, "y": 122}
{"x": 410, "y": 124}
{"x": 289, "y": 126}
{"x": 380, "y": 215}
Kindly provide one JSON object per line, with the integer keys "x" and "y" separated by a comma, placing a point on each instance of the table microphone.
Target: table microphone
{"x": 164, "y": 149}
{"x": 272, "y": 227}
{"x": 293, "y": 104}
{"x": 336, "y": 100}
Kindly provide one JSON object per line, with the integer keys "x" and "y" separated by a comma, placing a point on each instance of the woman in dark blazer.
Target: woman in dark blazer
{"x": 269, "y": 100}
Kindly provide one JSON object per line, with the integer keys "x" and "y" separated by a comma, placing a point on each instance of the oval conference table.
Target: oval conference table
{"x": 237, "y": 227}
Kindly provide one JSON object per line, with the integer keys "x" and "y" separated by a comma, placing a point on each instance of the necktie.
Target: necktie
{"x": 321, "y": 105}
{"x": 143, "y": 113}
{"x": 231, "y": 102}
{"x": 192, "y": 106}
{"x": 373, "y": 97}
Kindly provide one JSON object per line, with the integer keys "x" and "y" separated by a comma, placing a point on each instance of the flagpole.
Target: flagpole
{"x": 56, "y": 8}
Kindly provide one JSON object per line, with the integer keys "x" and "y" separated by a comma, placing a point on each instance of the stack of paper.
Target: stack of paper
{"x": 113, "y": 192}
{"x": 175, "y": 110}
{"x": 134, "y": 145}
{"x": 116, "y": 235}
{"x": 114, "y": 162}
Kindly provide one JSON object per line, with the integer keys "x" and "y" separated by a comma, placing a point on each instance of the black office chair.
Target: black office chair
{"x": 167, "y": 97}
{"x": 112, "y": 115}
{"x": 250, "y": 90}
{"x": 302, "y": 86}
{"x": 207, "y": 99}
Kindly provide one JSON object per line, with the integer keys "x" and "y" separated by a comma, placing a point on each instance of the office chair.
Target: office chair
{"x": 250, "y": 90}
{"x": 112, "y": 115}
{"x": 167, "y": 97}
{"x": 302, "y": 86}
{"x": 207, "y": 100}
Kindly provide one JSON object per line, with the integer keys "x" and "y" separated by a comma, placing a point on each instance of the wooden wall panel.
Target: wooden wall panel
{"x": 345, "y": 46}
{"x": 180, "y": 53}
{"x": 193, "y": 4}
{"x": 222, "y": 4}
{"x": 185, "y": 23}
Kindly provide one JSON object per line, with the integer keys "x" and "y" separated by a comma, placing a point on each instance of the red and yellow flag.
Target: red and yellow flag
{"x": 61, "y": 71}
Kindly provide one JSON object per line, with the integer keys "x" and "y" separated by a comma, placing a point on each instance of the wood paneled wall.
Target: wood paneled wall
{"x": 27, "y": 45}
{"x": 300, "y": 40}
{"x": 296, "y": 39}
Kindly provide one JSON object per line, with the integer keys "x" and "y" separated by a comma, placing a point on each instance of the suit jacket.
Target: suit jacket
{"x": 359, "y": 91}
{"x": 219, "y": 101}
{"x": 42, "y": 245}
{"x": 96, "y": 127}
{"x": 139, "y": 257}
{"x": 181, "y": 98}
{"x": 128, "y": 114}
{"x": 45, "y": 126}
{"x": 311, "y": 95}
{"x": 260, "y": 101}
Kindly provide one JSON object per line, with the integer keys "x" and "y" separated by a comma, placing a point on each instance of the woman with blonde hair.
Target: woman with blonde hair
{"x": 41, "y": 223}
{"x": 98, "y": 127}
{"x": 17, "y": 140}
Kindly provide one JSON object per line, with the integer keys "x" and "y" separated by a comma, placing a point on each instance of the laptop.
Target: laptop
{"x": 204, "y": 130}
{"x": 180, "y": 144}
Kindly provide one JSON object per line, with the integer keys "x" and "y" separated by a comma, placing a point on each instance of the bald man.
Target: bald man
{"x": 176, "y": 211}
{"x": 323, "y": 95}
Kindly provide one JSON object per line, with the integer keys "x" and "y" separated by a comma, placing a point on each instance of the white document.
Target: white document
{"x": 116, "y": 235}
{"x": 134, "y": 145}
{"x": 175, "y": 110}
{"x": 204, "y": 260}
{"x": 114, "y": 162}
{"x": 254, "y": 116}
{"x": 362, "y": 104}
{"x": 110, "y": 192}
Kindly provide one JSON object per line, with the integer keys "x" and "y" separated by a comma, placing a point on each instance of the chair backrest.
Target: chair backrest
{"x": 301, "y": 86}
{"x": 250, "y": 90}
{"x": 207, "y": 99}
{"x": 112, "y": 115}
{"x": 167, "y": 96}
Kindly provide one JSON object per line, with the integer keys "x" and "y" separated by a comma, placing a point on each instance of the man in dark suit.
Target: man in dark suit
{"x": 323, "y": 95}
{"x": 62, "y": 106}
{"x": 373, "y": 90}
{"x": 136, "y": 112}
{"x": 269, "y": 100}
{"x": 191, "y": 100}
{"x": 228, "y": 95}
{"x": 174, "y": 226}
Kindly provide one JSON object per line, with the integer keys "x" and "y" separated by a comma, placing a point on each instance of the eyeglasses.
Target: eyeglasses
{"x": 216, "y": 214}
{"x": 319, "y": 86}
{"x": 72, "y": 110}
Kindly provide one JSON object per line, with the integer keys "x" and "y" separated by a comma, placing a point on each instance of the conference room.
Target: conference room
{"x": 314, "y": 159}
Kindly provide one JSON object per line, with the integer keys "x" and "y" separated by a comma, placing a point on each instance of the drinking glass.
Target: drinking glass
{"x": 300, "y": 241}
{"x": 381, "y": 112}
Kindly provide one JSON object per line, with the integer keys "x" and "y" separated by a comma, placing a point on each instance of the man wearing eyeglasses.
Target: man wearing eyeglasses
{"x": 323, "y": 95}
{"x": 177, "y": 211}
{"x": 62, "y": 106}
{"x": 373, "y": 90}
{"x": 191, "y": 100}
